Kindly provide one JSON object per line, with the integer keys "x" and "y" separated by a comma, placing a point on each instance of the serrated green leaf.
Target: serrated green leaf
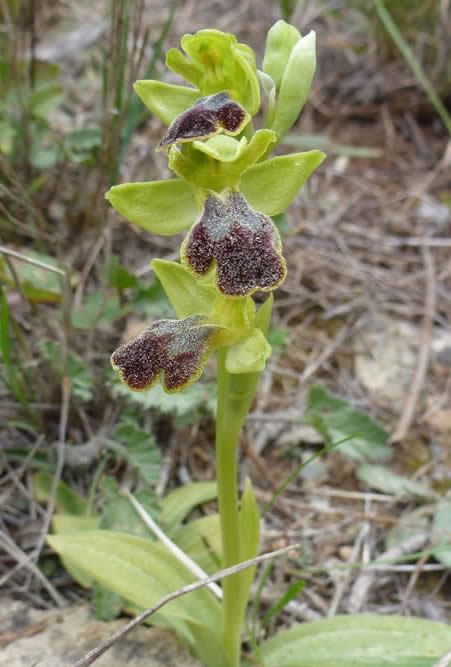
{"x": 119, "y": 514}
{"x": 386, "y": 481}
{"x": 79, "y": 373}
{"x": 161, "y": 207}
{"x": 358, "y": 640}
{"x": 270, "y": 186}
{"x": 441, "y": 531}
{"x": 166, "y": 100}
{"x": 200, "y": 396}
{"x": 139, "y": 449}
{"x": 183, "y": 290}
{"x": 67, "y": 500}
{"x": 337, "y": 419}
{"x": 140, "y": 571}
{"x": 179, "y": 503}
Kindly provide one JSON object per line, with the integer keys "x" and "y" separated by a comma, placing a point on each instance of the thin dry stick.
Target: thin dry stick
{"x": 423, "y": 355}
{"x": 173, "y": 548}
{"x": 90, "y": 657}
{"x": 30, "y": 260}
{"x": 444, "y": 662}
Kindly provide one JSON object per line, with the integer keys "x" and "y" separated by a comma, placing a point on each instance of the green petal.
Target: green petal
{"x": 164, "y": 99}
{"x": 222, "y": 147}
{"x": 180, "y": 65}
{"x": 162, "y": 207}
{"x": 249, "y": 354}
{"x": 183, "y": 290}
{"x": 271, "y": 186}
{"x": 295, "y": 86}
{"x": 250, "y": 96}
{"x": 280, "y": 41}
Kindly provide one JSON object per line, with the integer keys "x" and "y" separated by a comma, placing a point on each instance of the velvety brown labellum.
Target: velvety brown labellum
{"x": 244, "y": 244}
{"x": 207, "y": 117}
{"x": 175, "y": 350}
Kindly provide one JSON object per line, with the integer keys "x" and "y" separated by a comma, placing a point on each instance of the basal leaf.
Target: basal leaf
{"x": 359, "y": 640}
{"x": 68, "y": 501}
{"x": 179, "y": 503}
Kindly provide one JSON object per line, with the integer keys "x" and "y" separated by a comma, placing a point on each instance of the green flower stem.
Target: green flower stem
{"x": 235, "y": 394}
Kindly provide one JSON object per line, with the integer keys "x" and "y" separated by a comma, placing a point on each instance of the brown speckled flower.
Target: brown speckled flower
{"x": 207, "y": 117}
{"x": 174, "y": 350}
{"x": 244, "y": 244}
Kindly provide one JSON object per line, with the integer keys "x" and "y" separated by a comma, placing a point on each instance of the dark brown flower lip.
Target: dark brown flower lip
{"x": 174, "y": 351}
{"x": 244, "y": 244}
{"x": 206, "y": 118}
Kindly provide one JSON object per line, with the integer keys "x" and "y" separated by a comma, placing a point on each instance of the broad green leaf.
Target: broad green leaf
{"x": 295, "y": 86}
{"x": 441, "y": 531}
{"x": 107, "y": 605}
{"x": 208, "y": 645}
{"x": 358, "y": 640}
{"x": 161, "y": 207}
{"x": 139, "y": 570}
{"x": 79, "y": 373}
{"x": 183, "y": 290}
{"x": 337, "y": 419}
{"x": 139, "y": 449}
{"x": 119, "y": 277}
{"x": 200, "y": 539}
{"x": 270, "y": 186}
{"x": 280, "y": 41}
{"x": 179, "y": 503}
{"x": 386, "y": 481}
{"x": 249, "y": 353}
{"x": 164, "y": 99}
{"x": 67, "y": 500}
{"x": 67, "y": 524}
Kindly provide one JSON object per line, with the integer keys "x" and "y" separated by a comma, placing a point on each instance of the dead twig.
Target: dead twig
{"x": 410, "y": 405}
{"x": 93, "y": 655}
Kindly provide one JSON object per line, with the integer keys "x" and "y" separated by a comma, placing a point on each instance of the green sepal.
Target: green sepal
{"x": 250, "y": 97}
{"x": 249, "y": 353}
{"x": 183, "y": 290}
{"x": 164, "y": 99}
{"x": 195, "y": 165}
{"x": 218, "y": 63}
{"x": 280, "y": 41}
{"x": 270, "y": 186}
{"x": 161, "y": 207}
{"x": 295, "y": 86}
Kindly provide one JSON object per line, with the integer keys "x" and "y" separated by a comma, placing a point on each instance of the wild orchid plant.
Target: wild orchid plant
{"x": 224, "y": 194}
